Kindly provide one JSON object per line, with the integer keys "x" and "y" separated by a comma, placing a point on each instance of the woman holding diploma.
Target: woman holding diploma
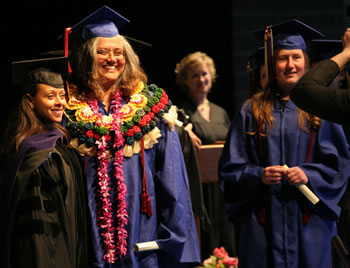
{"x": 273, "y": 152}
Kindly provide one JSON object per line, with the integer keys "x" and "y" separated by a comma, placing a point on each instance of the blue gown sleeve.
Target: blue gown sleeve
{"x": 329, "y": 168}
{"x": 177, "y": 234}
{"x": 239, "y": 166}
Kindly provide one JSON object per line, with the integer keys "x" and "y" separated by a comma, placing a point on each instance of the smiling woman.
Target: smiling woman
{"x": 270, "y": 133}
{"x": 123, "y": 130}
{"x": 290, "y": 67}
{"x": 49, "y": 103}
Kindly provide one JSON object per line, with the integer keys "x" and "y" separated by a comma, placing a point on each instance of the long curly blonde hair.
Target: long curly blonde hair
{"x": 84, "y": 72}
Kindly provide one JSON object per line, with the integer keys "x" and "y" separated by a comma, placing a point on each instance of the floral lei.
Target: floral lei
{"x": 105, "y": 136}
{"x": 140, "y": 116}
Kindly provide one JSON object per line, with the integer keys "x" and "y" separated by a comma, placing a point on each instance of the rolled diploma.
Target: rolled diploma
{"x": 145, "y": 246}
{"x": 178, "y": 123}
{"x": 306, "y": 191}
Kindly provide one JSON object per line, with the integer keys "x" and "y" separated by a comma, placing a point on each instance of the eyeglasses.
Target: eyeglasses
{"x": 105, "y": 53}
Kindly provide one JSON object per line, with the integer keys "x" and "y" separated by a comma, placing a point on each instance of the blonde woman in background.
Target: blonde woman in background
{"x": 209, "y": 123}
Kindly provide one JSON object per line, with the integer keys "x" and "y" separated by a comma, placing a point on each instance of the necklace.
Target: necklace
{"x": 112, "y": 247}
{"x": 201, "y": 107}
{"x": 140, "y": 115}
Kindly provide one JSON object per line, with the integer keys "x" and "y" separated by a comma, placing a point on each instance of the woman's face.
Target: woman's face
{"x": 48, "y": 103}
{"x": 290, "y": 67}
{"x": 110, "y": 59}
{"x": 199, "y": 80}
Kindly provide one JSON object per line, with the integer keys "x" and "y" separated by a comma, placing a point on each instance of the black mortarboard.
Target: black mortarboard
{"x": 257, "y": 57}
{"x": 104, "y": 22}
{"x": 38, "y": 71}
{"x": 321, "y": 49}
{"x": 291, "y": 34}
{"x": 255, "y": 60}
{"x": 138, "y": 45}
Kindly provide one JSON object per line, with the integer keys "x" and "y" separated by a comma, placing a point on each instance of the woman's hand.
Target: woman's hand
{"x": 197, "y": 143}
{"x": 295, "y": 175}
{"x": 343, "y": 58}
{"x": 273, "y": 174}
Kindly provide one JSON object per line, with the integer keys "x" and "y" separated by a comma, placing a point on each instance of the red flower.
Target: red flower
{"x": 136, "y": 129}
{"x": 151, "y": 115}
{"x": 164, "y": 100}
{"x": 147, "y": 118}
{"x": 97, "y": 136}
{"x": 161, "y": 105}
{"x": 155, "y": 109}
{"x": 164, "y": 95}
{"x": 89, "y": 133}
{"x": 144, "y": 121}
{"x": 220, "y": 252}
{"x": 230, "y": 261}
{"x": 107, "y": 137}
{"x": 130, "y": 132}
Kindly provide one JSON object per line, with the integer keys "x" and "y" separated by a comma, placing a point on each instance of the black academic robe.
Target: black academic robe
{"x": 43, "y": 215}
{"x": 313, "y": 95}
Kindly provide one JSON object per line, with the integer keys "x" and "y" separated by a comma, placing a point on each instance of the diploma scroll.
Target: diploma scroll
{"x": 145, "y": 246}
{"x": 306, "y": 192}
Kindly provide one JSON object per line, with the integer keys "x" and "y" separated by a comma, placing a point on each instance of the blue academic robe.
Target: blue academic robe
{"x": 269, "y": 219}
{"x": 172, "y": 224}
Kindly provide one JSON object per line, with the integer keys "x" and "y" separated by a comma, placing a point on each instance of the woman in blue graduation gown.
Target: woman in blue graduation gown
{"x": 124, "y": 131}
{"x": 272, "y": 147}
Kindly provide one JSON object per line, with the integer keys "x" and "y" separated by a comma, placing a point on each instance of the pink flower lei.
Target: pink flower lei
{"x": 112, "y": 248}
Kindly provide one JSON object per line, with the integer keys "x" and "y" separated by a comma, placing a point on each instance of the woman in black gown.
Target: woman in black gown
{"x": 209, "y": 124}
{"x": 43, "y": 214}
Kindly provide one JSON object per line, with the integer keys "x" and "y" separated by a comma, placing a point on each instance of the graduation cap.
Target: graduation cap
{"x": 291, "y": 34}
{"x": 104, "y": 22}
{"x": 257, "y": 57}
{"x": 137, "y": 44}
{"x": 321, "y": 49}
{"x": 255, "y": 60}
{"x": 40, "y": 71}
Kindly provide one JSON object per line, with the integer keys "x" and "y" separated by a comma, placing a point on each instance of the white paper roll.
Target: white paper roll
{"x": 306, "y": 191}
{"x": 145, "y": 246}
